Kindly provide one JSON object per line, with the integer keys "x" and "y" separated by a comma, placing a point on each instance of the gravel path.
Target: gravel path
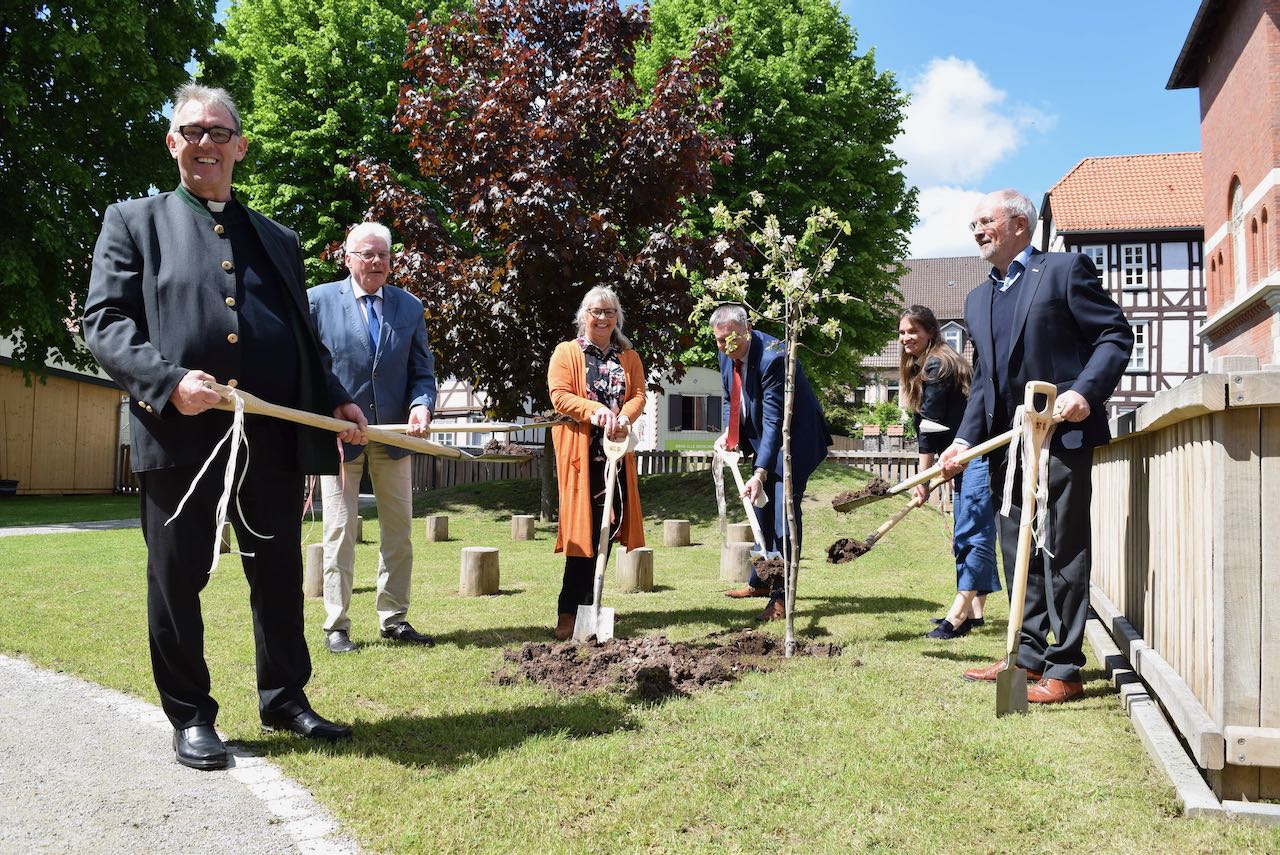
{"x": 88, "y": 769}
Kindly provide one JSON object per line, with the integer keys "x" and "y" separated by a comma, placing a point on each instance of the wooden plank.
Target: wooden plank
{"x": 1194, "y": 397}
{"x": 1237, "y": 582}
{"x": 1253, "y": 746}
{"x": 1253, "y": 389}
{"x": 56, "y": 402}
{"x": 17, "y": 401}
{"x": 96, "y": 438}
{"x": 1203, "y": 735}
{"x": 1269, "y": 780}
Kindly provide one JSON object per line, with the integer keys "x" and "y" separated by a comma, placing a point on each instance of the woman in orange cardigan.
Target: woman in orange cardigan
{"x": 598, "y": 381}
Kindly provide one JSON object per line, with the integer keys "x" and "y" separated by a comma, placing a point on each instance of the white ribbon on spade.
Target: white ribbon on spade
{"x": 1021, "y": 429}
{"x": 236, "y": 435}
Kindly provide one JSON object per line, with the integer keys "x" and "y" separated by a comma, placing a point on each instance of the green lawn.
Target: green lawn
{"x": 48, "y": 510}
{"x": 881, "y": 750}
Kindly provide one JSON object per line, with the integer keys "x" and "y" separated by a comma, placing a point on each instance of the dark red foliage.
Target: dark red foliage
{"x": 553, "y": 173}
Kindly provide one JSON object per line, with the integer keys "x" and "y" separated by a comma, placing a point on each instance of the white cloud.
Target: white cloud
{"x": 958, "y": 125}
{"x": 957, "y": 128}
{"x": 944, "y": 217}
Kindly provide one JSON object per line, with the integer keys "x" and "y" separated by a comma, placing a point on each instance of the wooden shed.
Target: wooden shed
{"x": 59, "y": 435}
{"x": 1186, "y": 566}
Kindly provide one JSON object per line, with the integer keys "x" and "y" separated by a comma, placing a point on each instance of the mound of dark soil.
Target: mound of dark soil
{"x": 650, "y": 667}
{"x": 496, "y": 446}
{"x": 875, "y": 487}
{"x": 769, "y": 569}
{"x": 846, "y": 549}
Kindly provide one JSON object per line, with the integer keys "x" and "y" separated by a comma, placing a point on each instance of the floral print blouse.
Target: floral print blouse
{"x": 606, "y": 383}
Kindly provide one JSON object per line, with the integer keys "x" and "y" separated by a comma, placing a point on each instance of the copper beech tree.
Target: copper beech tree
{"x": 555, "y": 173}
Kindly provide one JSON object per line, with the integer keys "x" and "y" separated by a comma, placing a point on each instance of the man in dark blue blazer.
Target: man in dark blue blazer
{"x": 1042, "y": 316}
{"x": 378, "y": 338}
{"x": 188, "y": 287}
{"x": 760, "y": 362}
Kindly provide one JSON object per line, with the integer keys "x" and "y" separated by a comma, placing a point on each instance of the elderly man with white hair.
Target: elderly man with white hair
{"x": 377, "y": 336}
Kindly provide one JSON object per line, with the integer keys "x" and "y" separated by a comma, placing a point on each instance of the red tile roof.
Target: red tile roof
{"x": 1129, "y": 193}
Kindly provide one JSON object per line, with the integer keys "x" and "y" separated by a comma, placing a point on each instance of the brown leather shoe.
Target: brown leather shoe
{"x": 1051, "y": 691}
{"x": 747, "y": 591}
{"x": 564, "y": 627}
{"x": 989, "y": 674}
{"x": 776, "y": 610}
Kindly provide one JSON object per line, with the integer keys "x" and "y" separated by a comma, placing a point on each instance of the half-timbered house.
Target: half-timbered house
{"x": 1140, "y": 218}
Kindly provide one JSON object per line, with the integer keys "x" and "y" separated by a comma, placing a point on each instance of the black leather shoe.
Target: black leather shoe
{"x": 974, "y": 622}
{"x": 403, "y": 632}
{"x": 945, "y": 630}
{"x": 199, "y": 747}
{"x": 307, "y": 723}
{"x": 339, "y": 642}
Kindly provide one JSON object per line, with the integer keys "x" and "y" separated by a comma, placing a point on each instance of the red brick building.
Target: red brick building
{"x": 1232, "y": 55}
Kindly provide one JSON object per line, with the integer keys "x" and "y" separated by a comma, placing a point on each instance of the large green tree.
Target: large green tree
{"x": 812, "y": 122}
{"x": 317, "y": 82}
{"x": 82, "y": 86}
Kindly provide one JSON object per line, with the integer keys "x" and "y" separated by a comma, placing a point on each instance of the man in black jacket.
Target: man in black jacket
{"x": 187, "y": 287}
{"x": 1042, "y": 316}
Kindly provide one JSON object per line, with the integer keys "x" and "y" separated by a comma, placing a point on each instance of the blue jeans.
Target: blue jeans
{"x": 974, "y": 543}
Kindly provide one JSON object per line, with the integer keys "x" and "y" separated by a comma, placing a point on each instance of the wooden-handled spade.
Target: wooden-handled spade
{"x": 255, "y": 405}
{"x": 731, "y": 459}
{"x": 936, "y": 470}
{"x": 593, "y": 620}
{"x": 897, "y": 518}
{"x": 1011, "y": 683}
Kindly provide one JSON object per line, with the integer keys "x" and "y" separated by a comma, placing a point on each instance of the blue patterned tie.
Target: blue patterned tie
{"x": 371, "y": 303}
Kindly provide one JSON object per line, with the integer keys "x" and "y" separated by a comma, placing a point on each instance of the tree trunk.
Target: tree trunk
{"x": 791, "y": 555}
{"x": 547, "y": 500}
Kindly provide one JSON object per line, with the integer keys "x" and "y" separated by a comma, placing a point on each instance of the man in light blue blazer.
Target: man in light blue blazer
{"x": 377, "y": 336}
{"x": 760, "y": 363}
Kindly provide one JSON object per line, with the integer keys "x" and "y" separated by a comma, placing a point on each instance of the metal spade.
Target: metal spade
{"x": 1011, "y": 683}
{"x": 593, "y": 620}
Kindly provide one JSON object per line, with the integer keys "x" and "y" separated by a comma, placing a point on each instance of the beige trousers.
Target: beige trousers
{"x": 393, "y": 489}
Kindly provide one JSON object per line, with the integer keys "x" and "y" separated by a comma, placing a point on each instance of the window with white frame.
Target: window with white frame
{"x": 1133, "y": 265}
{"x": 1140, "y": 358}
{"x": 953, "y": 335}
{"x": 1098, "y": 255}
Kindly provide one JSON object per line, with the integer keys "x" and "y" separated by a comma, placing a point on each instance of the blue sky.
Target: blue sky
{"x": 1007, "y": 95}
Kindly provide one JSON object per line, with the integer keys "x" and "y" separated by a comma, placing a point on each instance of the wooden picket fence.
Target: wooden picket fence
{"x": 1186, "y": 567}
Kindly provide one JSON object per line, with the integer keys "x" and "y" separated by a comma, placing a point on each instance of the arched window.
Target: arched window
{"x": 1237, "y": 238}
{"x": 1265, "y": 252}
{"x": 1253, "y": 245}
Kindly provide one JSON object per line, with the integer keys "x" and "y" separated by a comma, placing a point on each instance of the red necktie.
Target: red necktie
{"x": 735, "y": 406}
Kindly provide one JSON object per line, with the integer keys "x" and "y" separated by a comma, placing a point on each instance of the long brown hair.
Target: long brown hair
{"x": 911, "y": 368}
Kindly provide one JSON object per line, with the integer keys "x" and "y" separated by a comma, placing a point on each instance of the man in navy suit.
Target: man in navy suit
{"x": 378, "y": 338}
{"x": 1042, "y": 316}
{"x": 187, "y": 287}
{"x": 757, "y": 365}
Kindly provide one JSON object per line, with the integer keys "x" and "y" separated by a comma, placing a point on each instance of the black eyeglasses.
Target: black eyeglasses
{"x": 194, "y": 133}
{"x": 602, "y": 313}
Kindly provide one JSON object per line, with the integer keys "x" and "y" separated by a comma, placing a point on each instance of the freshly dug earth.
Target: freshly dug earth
{"x": 846, "y": 549}
{"x": 650, "y": 667}
{"x": 769, "y": 570}
{"x": 495, "y": 446}
{"x": 875, "y": 487}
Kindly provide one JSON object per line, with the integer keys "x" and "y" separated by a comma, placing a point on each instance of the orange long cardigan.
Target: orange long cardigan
{"x": 567, "y": 382}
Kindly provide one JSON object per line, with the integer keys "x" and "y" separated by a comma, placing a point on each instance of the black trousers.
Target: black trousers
{"x": 577, "y": 588}
{"x": 178, "y": 558}
{"x": 1057, "y": 599}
